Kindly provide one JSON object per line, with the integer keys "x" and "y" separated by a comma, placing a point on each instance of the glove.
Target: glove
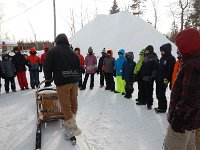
{"x": 40, "y": 68}
{"x": 177, "y": 124}
{"x": 47, "y": 84}
{"x": 166, "y": 82}
{"x": 15, "y": 74}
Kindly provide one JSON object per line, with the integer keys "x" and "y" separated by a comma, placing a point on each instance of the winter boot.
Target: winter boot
{"x": 71, "y": 128}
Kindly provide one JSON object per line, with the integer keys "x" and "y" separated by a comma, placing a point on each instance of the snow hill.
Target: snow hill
{"x": 108, "y": 122}
{"x": 116, "y": 31}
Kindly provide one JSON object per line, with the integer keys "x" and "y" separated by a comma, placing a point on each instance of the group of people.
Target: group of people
{"x": 16, "y": 66}
{"x": 65, "y": 67}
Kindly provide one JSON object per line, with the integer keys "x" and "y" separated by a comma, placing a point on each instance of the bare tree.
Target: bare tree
{"x": 71, "y": 23}
{"x": 34, "y": 33}
{"x": 183, "y": 4}
{"x": 155, "y": 11}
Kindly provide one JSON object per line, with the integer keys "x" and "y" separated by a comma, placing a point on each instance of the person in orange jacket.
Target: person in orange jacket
{"x": 177, "y": 67}
{"x": 35, "y": 67}
{"x": 81, "y": 58}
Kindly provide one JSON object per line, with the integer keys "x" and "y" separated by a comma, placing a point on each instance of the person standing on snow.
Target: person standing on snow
{"x": 81, "y": 58}
{"x": 127, "y": 74}
{"x": 164, "y": 76}
{"x": 120, "y": 87}
{"x": 1, "y": 73}
{"x": 100, "y": 65}
{"x": 34, "y": 68}
{"x": 91, "y": 69}
{"x": 177, "y": 68}
{"x": 137, "y": 75}
{"x": 20, "y": 63}
{"x": 108, "y": 70}
{"x": 184, "y": 109}
{"x": 63, "y": 66}
{"x": 8, "y": 73}
{"x": 148, "y": 74}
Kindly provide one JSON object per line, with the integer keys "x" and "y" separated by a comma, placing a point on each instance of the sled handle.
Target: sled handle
{"x": 41, "y": 84}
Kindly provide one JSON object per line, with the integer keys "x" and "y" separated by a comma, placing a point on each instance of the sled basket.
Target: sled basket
{"x": 47, "y": 103}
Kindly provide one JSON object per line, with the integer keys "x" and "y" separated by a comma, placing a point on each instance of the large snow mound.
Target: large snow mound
{"x": 116, "y": 31}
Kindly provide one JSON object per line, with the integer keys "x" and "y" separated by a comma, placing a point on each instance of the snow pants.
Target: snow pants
{"x": 160, "y": 94}
{"x": 21, "y": 76}
{"x": 129, "y": 88}
{"x": 197, "y": 139}
{"x": 140, "y": 91}
{"x": 120, "y": 87}
{"x": 179, "y": 141}
{"x": 102, "y": 78}
{"x": 80, "y": 80}
{"x": 110, "y": 83}
{"x": 91, "y": 80}
{"x": 67, "y": 95}
{"x": 10, "y": 80}
{"x": 34, "y": 78}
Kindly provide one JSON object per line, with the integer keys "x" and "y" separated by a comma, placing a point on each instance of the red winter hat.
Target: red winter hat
{"x": 188, "y": 41}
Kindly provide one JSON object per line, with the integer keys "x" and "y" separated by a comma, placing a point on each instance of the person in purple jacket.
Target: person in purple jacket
{"x": 90, "y": 67}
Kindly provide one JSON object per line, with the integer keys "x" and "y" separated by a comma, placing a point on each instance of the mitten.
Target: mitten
{"x": 166, "y": 82}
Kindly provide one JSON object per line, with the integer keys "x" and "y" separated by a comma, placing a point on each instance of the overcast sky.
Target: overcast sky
{"x": 23, "y": 18}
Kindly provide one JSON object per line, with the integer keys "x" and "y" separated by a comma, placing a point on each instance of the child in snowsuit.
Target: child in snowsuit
{"x": 127, "y": 74}
{"x": 108, "y": 70}
{"x": 148, "y": 73}
{"x": 137, "y": 75}
{"x": 20, "y": 63}
{"x": 120, "y": 87}
{"x": 100, "y": 64}
{"x": 82, "y": 70}
{"x": 91, "y": 69}
{"x": 164, "y": 76}
{"x": 8, "y": 73}
{"x": 34, "y": 68}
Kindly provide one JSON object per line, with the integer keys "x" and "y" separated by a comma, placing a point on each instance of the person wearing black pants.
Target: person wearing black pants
{"x": 12, "y": 82}
{"x": 148, "y": 73}
{"x": 91, "y": 80}
{"x": 100, "y": 65}
{"x": 164, "y": 76}
{"x": 110, "y": 84}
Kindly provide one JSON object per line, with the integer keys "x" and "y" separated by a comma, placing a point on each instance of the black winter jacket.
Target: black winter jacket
{"x": 19, "y": 61}
{"x": 62, "y": 63}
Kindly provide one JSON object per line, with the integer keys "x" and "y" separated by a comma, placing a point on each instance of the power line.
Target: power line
{"x": 22, "y": 12}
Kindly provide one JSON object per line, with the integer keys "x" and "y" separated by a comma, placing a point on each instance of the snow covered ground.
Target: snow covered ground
{"x": 108, "y": 122}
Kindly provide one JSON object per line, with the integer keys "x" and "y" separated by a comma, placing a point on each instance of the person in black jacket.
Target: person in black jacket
{"x": 147, "y": 74}
{"x": 20, "y": 63}
{"x": 164, "y": 76}
{"x": 100, "y": 65}
{"x": 63, "y": 66}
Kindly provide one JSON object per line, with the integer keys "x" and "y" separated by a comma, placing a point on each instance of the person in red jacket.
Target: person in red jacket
{"x": 184, "y": 109}
{"x": 81, "y": 58}
{"x": 43, "y": 56}
{"x": 34, "y": 68}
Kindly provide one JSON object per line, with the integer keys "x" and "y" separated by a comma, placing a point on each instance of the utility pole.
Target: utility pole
{"x": 54, "y": 12}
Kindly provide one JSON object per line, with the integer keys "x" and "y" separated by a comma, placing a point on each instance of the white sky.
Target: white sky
{"x": 40, "y": 17}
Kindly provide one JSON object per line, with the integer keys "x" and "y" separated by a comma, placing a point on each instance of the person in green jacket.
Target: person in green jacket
{"x": 137, "y": 74}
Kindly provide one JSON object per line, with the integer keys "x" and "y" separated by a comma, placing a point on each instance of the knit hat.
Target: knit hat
{"x": 109, "y": 52}
{"x": 103, "y": 51}
{"x": 188, "y": 41}
{"x": 90, "y": 50}
{"x": 149, "y": 48}
{"x": 166, "y": 47}
{"x": 129, "y": 55}
{"x": 32, "y": 49}
{"x": 16, "y": 49}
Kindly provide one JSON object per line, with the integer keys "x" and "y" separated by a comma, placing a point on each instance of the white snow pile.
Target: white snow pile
{"x": 116, "y": 31}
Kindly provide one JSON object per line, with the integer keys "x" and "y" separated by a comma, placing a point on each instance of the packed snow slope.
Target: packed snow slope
{"x": 108, "y": 122}
{"x": 116, "y": 31}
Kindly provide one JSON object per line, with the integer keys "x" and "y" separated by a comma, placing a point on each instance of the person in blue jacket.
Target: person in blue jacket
{"x": 120, "y": 86}
{"x": 128, "y": 74}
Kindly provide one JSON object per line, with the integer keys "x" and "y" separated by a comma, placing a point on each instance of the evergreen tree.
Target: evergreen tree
{"x": 136, "y": 7}
{"x": 195, "y": 15}
{"x": 114, "y": 8}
